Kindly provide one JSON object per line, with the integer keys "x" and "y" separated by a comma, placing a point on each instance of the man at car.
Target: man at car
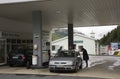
{"x": 74, "y": 47}
{"x": 85, "y": 55}
{"x": 60, "y": 49}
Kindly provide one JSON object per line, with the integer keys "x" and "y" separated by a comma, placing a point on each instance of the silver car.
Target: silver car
{"x": 66, "y": 60}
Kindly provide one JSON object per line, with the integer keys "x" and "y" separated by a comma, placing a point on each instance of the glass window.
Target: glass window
{"x": 18, "y": 41}
{"x": 13, "y": 40}
{"x": 53, "y": 48}
{"x": 31, "y": 41}
{"x": 8, "y": 40}
{"x": 23, "y": 41}
{"x": 28, "y": 41}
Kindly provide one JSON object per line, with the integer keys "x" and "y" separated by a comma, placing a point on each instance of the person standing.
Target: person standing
{"x": 85, "y": 55}
{"x": 60, "y": 49}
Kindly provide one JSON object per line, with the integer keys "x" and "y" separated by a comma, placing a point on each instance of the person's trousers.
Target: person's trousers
{"x": 86, "y": 61}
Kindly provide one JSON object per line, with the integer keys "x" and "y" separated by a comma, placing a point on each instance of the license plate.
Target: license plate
{"x": 59, "y": 66}
{"x": 15, "y": 57}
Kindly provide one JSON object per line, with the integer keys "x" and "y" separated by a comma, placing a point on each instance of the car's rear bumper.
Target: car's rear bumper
{"x": 16, "y": 62}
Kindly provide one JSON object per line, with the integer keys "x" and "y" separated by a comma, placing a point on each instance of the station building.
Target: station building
{"x": 35, "y": 16}
{"x": 15, "y": 34}
{"x": 90, "y": 44}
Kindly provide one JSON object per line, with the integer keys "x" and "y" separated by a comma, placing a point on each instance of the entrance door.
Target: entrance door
{"x": 2, "y": 51}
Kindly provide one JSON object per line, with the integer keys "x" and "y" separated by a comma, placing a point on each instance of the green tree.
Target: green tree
{"x": 113, "y": 36}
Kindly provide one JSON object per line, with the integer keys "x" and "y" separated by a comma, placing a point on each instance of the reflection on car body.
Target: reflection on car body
{"x": 66, "y": 60}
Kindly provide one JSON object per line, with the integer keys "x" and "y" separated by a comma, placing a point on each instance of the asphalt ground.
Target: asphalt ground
{"x": 100, "y": 67}
{"x": 7, "y": 76}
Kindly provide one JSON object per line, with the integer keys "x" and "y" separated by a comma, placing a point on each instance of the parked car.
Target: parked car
{"x": 19, "y": 57}
{"x": 66, "y": 60}
{"x": 23, "y": 57}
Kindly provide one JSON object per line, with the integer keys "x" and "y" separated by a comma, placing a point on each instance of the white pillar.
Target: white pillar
{"x": 37, "y": 36}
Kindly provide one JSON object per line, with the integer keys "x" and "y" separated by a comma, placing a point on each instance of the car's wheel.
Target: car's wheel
{"x": 51, "y": 70}
{"x": 11, "y": 65}
{"x": 80, "y": 66}
{"x": 76, "y": 68}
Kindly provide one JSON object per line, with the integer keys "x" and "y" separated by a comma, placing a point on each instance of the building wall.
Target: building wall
{"x": 88, "y": 44}
{"x": 63, "y": 43}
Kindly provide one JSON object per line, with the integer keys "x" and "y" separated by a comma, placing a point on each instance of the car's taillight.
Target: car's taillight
{"x": 23, "y": 57}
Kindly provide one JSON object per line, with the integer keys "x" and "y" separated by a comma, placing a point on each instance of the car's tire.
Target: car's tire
{"x": 76, "y": 68}
{"x": 80, "y": 66}
{"x": 51, "y": 70}
{"x": 11, "y": 65}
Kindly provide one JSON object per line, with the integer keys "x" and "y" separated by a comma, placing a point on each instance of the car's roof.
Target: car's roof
{"x": 70, "y": 51}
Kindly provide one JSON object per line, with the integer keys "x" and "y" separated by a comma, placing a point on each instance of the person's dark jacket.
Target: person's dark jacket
{"x": 59, "y": 50}
{"x": 85, "y": 54}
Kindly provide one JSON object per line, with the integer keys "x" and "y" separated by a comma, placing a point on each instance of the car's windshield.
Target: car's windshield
{"x": 66, "y": 54}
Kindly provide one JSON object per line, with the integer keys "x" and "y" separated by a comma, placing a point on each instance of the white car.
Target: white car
{"x": 66, "y": 60}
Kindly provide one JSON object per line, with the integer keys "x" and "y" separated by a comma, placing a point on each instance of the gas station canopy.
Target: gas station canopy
{"x": 37, "y": 16}
{"x": 58, "y": 13}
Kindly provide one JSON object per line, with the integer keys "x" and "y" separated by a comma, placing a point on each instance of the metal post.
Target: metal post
{"x": 70, "y": 36}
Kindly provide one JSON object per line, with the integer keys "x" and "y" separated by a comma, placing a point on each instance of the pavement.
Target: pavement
{"x": 7, "y": 76}
{"x": 99, "y": 66}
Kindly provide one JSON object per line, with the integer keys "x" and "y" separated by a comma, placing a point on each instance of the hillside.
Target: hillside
{"x": 60, "y": 33}
{"x": 113, "y": 36}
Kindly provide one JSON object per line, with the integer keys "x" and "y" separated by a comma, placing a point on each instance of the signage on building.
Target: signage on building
{"x": 78, "y": 41}
{"x": 115, "y": 46}
{"x": 10, "y": 35}
{"x": 36, "y": 35}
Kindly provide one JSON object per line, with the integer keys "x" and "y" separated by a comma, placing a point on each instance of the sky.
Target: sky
{"x": 99, "y": 31}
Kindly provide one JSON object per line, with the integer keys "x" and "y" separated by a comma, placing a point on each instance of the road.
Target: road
{"x": 43, "y": 77}
{"x": 103, "y": 66}
{"x": 100, "y": 67}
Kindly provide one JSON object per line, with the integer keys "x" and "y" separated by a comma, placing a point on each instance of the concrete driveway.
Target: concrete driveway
{"x": 6, "y": 76}
{"x": 99, "y": 66}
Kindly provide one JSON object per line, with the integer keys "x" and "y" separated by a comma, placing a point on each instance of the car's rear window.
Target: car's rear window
{"x": 14, "y": 52}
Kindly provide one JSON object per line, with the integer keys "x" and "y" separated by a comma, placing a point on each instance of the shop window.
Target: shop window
{"x": 28, "y": 41}
{"x": 23, "y": 41}
{"x": 31, "y": 41}
{"x": 13, "y": 40}
{"x": 53, "y": 48}
{"x": 18, "y": 41}
{"x": 48, "y": 43}
{"x": 8, "y": 40}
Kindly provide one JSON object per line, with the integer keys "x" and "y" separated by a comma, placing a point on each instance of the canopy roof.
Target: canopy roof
{"x": 58, "y": 13}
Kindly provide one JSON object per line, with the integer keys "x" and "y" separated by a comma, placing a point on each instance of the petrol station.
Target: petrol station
{"x": 30, "y": 23}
